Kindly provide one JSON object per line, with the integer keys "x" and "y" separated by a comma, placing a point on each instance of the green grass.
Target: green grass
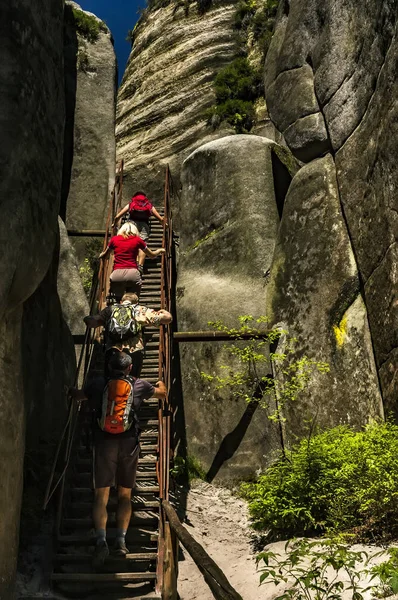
{"x": 205, "y": 238}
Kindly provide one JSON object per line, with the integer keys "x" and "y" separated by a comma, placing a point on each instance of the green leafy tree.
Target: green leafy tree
{"x": 249, "y": 381}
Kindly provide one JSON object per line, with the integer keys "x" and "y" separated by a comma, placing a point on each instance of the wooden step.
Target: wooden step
{"x": 151, "y": 282}
{"x": 138, "y": 518}
{"x": 103, "y": 577}
{"x": 83, "y": 558}
{"x": 149, "y": 433}
{"x": 134, "y": 534}
{"x": 84, "y": 462}
{"x": 137, "y": 505}
{"x": 142, "y": 487}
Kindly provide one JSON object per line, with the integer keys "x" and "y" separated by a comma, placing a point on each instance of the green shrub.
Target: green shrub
{"x": 237, "y": 81}
{"x": 252, "y": 376}
{"x": 236, "y": 86}
{"x": 260, "y": 22}
{"x": 324, "y": 570}
{"x": 88, "y": 26}
{"x": 339, "y": 480}
{"x": 238, "y": 113}
{"x": 90, "y": 263}
{"x": 244, "y": 14}
{"x": 187, "y": 469}
{"x": 263, "y": 25}
{"x": 387, "y": 574}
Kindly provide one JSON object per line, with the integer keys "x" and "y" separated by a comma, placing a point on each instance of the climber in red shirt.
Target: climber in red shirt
{"x": 126, "y": 245}
{"x": 140, "y": 210}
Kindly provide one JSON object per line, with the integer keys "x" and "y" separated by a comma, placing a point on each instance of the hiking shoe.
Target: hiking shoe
{"x": 101, "y": 553}
{"x": 120, "y": 549}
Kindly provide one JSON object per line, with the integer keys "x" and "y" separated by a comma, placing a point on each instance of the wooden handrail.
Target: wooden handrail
{"x": 217, "y": 336}
{"x": 215, "y": 578}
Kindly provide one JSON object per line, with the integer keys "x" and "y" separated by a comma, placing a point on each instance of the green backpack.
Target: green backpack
{"x": 122, "y": 324}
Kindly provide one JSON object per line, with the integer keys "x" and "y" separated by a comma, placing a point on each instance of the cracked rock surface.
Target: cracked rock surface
{"x": 352, "y": 52}
{"x": 314, "y": 293}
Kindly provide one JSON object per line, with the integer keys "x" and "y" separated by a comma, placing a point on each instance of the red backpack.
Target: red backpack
{"x": 140, "y": 208}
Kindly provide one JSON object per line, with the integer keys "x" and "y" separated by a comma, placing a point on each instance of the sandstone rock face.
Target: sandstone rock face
{"x": 345, "y": 45}
{"x": 314, "y": 293}
{"x": 166, "y": 89}
{"x": 73, "y": 299}
{"x": 31, "y": 130}
{"x": 48, "y": 356}
{"x": 352, "y": 52}
{"x": 228, "y": 222}
{"x": 89, "y": 172}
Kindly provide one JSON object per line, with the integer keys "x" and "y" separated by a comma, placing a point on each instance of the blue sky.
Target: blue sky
{"x": 120, "y": 16}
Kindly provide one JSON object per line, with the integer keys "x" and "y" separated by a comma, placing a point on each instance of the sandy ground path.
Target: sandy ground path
{"x": 219, "y": 521}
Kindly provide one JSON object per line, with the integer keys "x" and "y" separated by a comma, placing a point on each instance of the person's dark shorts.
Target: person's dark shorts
{"x": 115, "y": 461}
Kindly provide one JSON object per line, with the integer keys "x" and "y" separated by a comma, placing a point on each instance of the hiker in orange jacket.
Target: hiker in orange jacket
{"x": 116, "y": 446}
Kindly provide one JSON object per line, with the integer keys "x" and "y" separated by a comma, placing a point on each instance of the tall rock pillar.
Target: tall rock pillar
{"x": 31, "y": 133}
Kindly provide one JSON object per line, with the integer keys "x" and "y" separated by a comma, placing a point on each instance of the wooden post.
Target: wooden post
{"x": 214, "y": 577}
{"x": 170, "y": 564}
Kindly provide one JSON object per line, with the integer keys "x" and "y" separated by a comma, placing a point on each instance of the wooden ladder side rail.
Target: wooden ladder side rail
{"x": 164, "y": 413}
{"x": 99, "y": 290}
{"x": 214, "y": 577}
{"x": 83, "y": 362}
{"x": 74, "y": 409}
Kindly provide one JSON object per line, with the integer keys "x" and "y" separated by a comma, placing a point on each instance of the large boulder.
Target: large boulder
{"x": 89, "y": 169}
{"x": 31, "y": 131}
{"x": 294, "y": 108}
{"x": 314, "y": 293}
{"x": 367, "y": 172}
{"x": 228, "y": 223}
